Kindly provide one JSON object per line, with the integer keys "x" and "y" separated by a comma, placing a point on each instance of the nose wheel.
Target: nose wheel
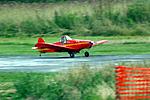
{"x": 86, "y": 54}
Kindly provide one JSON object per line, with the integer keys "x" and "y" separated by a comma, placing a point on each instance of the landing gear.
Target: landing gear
{"x": 72, "y": 54}
{"x": 86, "y": 54}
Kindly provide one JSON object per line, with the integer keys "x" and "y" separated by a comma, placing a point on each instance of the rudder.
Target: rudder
{"x": 40, "y": 40}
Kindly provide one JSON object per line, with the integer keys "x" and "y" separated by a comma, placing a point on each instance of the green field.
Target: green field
{"x": 103, "y": 18}
{"x": 116, "y": 45}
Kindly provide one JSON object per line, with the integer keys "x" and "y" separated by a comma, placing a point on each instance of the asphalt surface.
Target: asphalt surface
{"x": 52, "y": 64}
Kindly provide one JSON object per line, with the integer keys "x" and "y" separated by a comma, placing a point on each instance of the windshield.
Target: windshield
{"x": 68, "y": 38}
{"x": 64, "y": 39}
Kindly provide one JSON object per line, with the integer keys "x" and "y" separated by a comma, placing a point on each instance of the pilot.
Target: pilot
{"x": 63, "y": 40}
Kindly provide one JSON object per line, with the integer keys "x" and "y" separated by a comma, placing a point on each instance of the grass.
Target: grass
{"x": 116, "y": 45}
{"x": 25, "y": 12}
{"x": 83, "y": 83}
{"x": 37, "y": 1}
{"x": 7, "y": 80}
{"x": 80, "y": 84}
{"x": 76, "y": 18}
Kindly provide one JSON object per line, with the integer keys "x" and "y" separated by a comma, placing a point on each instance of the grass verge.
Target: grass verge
{"x": 116, "y": 45}
{"x": 78, "y": 84}
{"x": 82, "y": 83}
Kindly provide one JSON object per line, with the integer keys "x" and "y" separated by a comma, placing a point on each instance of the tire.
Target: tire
{"x": 86, "y": 54}
{"x": 72, "y": 55}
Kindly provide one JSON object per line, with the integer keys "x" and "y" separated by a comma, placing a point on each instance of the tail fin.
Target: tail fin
{"x": 40, "y": 40}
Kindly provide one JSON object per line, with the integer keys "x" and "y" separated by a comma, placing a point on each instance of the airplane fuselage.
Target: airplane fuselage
{"x": 66, "y": 44}
{"x": 75, "y": 45}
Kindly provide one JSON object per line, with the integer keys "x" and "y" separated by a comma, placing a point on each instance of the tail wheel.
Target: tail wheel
{"x": 40, "y": 54}
{"x": 72, "y": 55}
{"x": 86, "y": 54}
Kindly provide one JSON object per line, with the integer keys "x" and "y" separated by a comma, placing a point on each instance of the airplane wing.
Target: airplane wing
{"x": 99, "y": 42}
{"x": 59, "y": 48}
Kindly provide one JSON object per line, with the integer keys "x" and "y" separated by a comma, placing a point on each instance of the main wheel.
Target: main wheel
{"x": 86, "y": 54}
{"x": 71, "y": 54}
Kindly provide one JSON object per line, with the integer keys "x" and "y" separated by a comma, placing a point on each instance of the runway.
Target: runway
{"x": 53, "y": 64}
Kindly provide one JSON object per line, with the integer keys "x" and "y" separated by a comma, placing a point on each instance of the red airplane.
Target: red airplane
{"x": 66, "y": 44}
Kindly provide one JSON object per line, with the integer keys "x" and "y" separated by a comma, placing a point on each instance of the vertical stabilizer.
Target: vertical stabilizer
{"x": 40, "y": 40}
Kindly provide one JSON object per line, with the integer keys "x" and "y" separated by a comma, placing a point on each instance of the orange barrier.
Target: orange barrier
{"x": 132, "y": 83}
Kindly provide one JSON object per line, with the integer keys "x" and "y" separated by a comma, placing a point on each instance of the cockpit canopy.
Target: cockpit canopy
{"x": 64, "y": 39}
